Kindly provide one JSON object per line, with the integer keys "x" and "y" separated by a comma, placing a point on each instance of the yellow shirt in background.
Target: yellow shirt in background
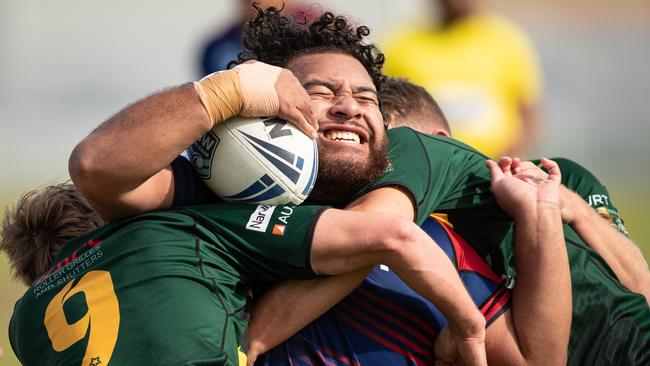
{"x": 480, "y": 70}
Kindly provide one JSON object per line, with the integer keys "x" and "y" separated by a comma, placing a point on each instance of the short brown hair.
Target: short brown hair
{"x": 408, "y": 104}
{"x": 35, "y": 228}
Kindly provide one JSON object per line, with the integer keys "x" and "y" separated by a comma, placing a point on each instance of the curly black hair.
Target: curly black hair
{"x": 273, "y": 38}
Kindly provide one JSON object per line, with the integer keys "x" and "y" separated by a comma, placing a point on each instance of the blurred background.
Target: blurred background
{"x": 66, "y": 66}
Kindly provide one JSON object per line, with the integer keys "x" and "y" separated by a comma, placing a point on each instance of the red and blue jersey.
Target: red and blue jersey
{"x": 383, "y": 322}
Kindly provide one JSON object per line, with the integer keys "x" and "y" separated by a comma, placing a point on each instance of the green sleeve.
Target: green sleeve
{"x": 267, "y": 243}
{"x": 584, "y": 183}
{"x": 439, "y": 172}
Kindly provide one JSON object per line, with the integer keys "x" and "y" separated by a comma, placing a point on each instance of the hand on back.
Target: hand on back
{"x": 532, "y": 190}
{"x": 571, "y": 205}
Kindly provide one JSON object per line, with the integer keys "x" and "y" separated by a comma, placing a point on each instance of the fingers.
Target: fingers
{"x": 301, "y": 120}
{"x": 495, "y": 170}
{"x": 307, "y": 116}
{"x": 303, "y": 105}
{"x": 526, "y": 171}
{"x": 295, "y": 104}
{"x": 505, "y": 163}
{"x": 554, "y": 173}
{"x": 527, "y": 165}
{"x": 516, "y": 166}
{"x": 296, "y": 117}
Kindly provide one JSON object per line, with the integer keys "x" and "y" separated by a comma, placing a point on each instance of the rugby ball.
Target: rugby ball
{"x": 257, "y": 160}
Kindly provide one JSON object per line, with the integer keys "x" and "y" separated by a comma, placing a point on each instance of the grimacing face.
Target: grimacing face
{"x": 352, "y": 141}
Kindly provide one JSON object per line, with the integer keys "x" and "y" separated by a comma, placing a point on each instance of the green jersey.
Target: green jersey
{"x": 446, "y": 176}
{"x": 162, "y": 288}
{"x": 584, "y": 183}
{"x": 611, "y": 325}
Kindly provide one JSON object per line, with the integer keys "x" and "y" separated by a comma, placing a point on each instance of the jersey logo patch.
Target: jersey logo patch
{"x": 260, "y": 218}
{"x": 278, "y": 229}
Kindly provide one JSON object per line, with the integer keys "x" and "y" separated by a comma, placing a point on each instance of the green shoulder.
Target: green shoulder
{"x": 582, "y": 181}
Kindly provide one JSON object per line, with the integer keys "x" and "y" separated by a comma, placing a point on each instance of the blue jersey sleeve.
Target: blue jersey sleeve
{"x": 189, "y": 189}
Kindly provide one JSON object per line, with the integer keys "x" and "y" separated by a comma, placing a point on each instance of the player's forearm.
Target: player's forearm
{"x": 141, "y": 139}
{"x": 620, "y": 253}
{"x": 541, "y": 307}
{"x": 291, "y": 305}
{"x": 288, "y": 307}
{"x": 427, "y": 270}
{"x": 137, "y": 143}
{"x": 345, "y": 241}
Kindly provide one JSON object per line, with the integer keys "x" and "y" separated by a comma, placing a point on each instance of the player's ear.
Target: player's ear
{"x": 441, "y": 132}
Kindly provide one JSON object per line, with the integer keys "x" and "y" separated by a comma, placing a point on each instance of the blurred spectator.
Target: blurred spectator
{"x": 225, "y": 46}
{"x": 481, "y": 69}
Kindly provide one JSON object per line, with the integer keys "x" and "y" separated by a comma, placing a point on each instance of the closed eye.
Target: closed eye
{"x": 371, "y": 99}
{"x": 321, "y": 94}
{"x": 320, "y": 91}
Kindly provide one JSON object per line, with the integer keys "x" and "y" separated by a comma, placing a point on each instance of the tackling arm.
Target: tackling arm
{"x": 122, "y": 167}
{"x": 289, "y": 306}
{"x": 312, "y": 298}
{"x": 345, "y": 240}
{"x": 620, "y": 253}
{"x": 270, "y": 323}
{"x": 536, "y": 330}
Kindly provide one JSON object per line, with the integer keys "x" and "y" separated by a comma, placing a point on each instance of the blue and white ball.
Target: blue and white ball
{"x": 257, "y": 160}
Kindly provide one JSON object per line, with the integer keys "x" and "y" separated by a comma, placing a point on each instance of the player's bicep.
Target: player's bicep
{"x": 345, "y": 240}
{"x": 395, "y": 200}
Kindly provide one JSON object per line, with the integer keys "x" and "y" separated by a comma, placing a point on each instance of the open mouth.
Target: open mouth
{"x": 344, "y": 136}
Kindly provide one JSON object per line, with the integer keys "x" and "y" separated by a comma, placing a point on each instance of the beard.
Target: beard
{"x": 340, "y": 178}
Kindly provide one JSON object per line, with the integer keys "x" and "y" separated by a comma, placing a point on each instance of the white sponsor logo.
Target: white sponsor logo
{"x": 260, "y": 218}
{"x": 598, "y": 200}
{"x": 285, "y": 212}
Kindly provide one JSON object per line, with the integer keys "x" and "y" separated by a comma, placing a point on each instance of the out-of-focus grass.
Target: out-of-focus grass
{"x": 634, "y": 209}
